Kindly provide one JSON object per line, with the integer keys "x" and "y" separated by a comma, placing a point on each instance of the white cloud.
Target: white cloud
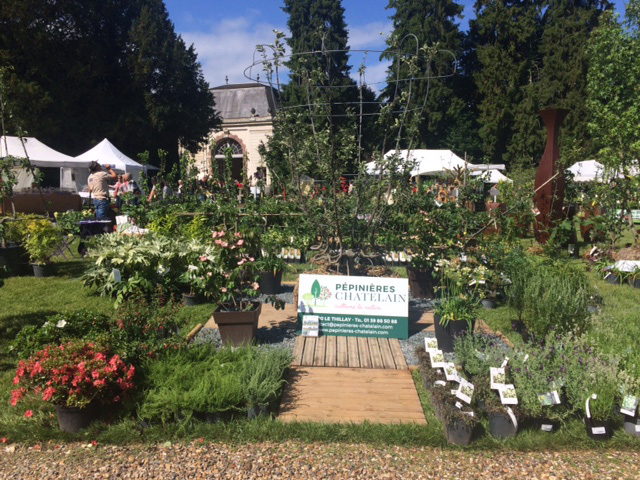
{"x": 371, "y": 35}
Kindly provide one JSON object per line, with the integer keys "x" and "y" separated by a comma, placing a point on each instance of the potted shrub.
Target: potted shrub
{"x": 234, "y": 284}
{"x": 501, "y": 421}
{"x": 198, "y": 277}
{"x": 455, "y": 315}
{"x": 42, "y": 240}
{"x": 13, "y": 255}
{"x": 77, "y": 377}
{"x": 459, "y": 423}
{"x": 271, "y": 269}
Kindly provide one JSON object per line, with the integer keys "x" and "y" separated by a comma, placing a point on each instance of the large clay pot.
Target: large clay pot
{"x": 238, "y": 327}
{"x": 73, "y": 419}
{"x": 421, "y": 283}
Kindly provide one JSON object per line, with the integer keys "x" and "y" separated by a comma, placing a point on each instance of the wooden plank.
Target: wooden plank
{"x": 318, "y": 356}
{"x": 297, "y": 350}
{"x": 360, "y": 419}
{"x": 363, "y": 353}
{"x": 308, "y": 352}
{"x": 398, "y": 355}
{"x": 358, "y": 374}
{"x": 342, "y": 353}
{"x": 385, "y": 351}
{"x": 354, "y": 357}
{"x": 374, "y": 350}
{"x": 330, "y": 358}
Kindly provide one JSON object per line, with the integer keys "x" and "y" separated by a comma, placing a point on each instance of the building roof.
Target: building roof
{"x": 237, "y": 101}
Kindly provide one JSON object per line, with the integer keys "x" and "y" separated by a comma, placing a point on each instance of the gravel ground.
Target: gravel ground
{"x": 201, "y": 460}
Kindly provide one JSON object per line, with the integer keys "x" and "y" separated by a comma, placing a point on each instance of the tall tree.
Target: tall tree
{"x": 506, "y": 36}
{"x": 446, "y": 115}
{"x": 78, "y": 71}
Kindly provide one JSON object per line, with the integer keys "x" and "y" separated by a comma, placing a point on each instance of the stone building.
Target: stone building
{"x": 247, "y": 111}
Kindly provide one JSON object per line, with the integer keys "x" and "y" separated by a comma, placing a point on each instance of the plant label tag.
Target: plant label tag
{"x": 465, "y": 391}
{"x": 508, "y": 395}
{"x": 430, "y": 344}
{"x": 629, "y": 405}
{"x": 598, "y": 430}
{"x": 454, "y": 391}
{"x": 498, "y": 378}
{"x": 526, "y": 357}
{"x": 545, "y": 427}
{"x": 441, "y": 383}
{"x": 637, "y": 428}
{"x": 451, "y": 373}
{"x": 117, "y": 276}
{"x": 504, "y": 363}
{"x": 471, "y": 414}
{"x": 310, "y": 325}
{"x": 549, "y": 398}
{"x": 437, "y": 359}
{"x": 512, "y": 416}
{"x": 458, "y": 405}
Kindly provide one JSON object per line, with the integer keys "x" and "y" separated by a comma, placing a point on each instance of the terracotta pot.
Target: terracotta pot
{"x": 270, "y": 284}
{"x": 421, "y": 283}
{"x": 74, "y": 419}
{"x": 446, "y": 335}
{"x": 238, "y": 328}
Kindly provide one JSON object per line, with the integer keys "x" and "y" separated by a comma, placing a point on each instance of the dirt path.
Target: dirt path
{"x": 201, "y": 460}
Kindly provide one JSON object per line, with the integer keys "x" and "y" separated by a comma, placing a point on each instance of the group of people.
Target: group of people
{"x": 99, "y": 181}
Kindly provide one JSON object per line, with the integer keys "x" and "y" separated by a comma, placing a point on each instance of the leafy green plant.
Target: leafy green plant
{"x": 42, "y": 240}
{"x": 479, "y": 352}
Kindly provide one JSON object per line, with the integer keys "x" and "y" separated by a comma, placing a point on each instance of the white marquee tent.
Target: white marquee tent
{"x": 105, "y": 153}
{"x": 41, "y": 156}
{"x": 432, "y": 162}
{"x": 587, "y": 171}
{"x": 491, "y": 176}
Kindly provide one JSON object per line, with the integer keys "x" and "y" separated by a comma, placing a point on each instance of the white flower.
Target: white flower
{"x": 61, "y": 323}
{"x": 192, "y": 268}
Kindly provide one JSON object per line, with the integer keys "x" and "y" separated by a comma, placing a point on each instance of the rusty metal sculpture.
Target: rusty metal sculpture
{"x": 549, "y": 184}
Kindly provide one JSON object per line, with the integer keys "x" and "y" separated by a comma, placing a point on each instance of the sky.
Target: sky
{"x": 225, "y": 32}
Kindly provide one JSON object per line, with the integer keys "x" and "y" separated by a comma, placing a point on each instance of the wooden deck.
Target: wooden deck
{"x": 351, "y": 395}
{"x": 351, "y": 352}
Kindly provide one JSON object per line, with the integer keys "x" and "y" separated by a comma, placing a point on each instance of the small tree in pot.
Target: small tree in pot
{"x": 42, "y": 241}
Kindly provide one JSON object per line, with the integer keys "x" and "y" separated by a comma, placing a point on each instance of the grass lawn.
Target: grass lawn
{"x": 27, "y": 300}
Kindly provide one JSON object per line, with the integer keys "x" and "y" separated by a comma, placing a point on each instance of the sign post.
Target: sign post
{"x": 355, "y": 306}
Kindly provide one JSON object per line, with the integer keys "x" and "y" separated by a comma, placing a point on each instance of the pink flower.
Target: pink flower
{"x": 95, "y": 374}
{"x": 209, "y": 274}
{"x": 100, "y": 383}
{"x": 16, "y": 380}
{"x": 237, "y": 234}
{"x": 218, "y": 242}
{"x": 240, "y": 242}
{"x": 251, "y": 259}
{"x": 223, "y": 289}
{"x": 48, "y": 393}
{"x": 224, "y": 244}
{"x": 28, "y": 414}
{"x": 255, "y": 285}
{"x": 242, "y": 262}
{"x": 203, "y": 258}
{"x": 4, "y": 440}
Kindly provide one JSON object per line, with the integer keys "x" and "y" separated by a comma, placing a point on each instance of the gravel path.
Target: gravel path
{"x": 201, "y": 460}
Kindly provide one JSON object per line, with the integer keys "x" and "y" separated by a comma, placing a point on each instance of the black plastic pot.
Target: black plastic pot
{"x": 458, "y": 432}
{"x": 635, "y": 283}
{"x": 190, "y": 300}
{"x": 613, "y": 279}
{"x": 489, "y": 303}
{"x": 271, "y": 284}
{"x": 74, "y": 420}
{"x": 446, "y": 335}
{"x": 501, "y": 426}
{"x": 632, "y": 425}
{"x": 15, "y": 259}
{"x": 39, "y": 271}
{"x": 598, "y": 430}
{"x": 421, "y": 283}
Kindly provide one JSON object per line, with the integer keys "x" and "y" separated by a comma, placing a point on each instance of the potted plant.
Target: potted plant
{"x": 630, "y": 398}
{"x": 234, "y": 284}
{"x": 42, "y": 240}
{"x": 455, "y": 315}
{"x": 501, "y": 420}
{"x": 459, "y": 423}
{"x": 634, "y": 278}
{"x": 270, "y": 264}
{"x": 77, "y": 377}
{"x": 198, "y": 276}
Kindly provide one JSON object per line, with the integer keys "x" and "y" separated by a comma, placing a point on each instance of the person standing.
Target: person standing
{"x": 99, "y": 188}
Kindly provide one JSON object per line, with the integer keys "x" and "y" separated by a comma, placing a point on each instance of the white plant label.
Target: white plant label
{"x": 430, "y": 344}
{"x": 498, "y": 377}
{"x": 437, "y": 359}
{"x": 629, "y": 405}
{"x": 117, "y": 276}
{"x": 451, "y": 373}
{"x": 546, "y": 427}
{"x": 508, "y": 395}
{"x": 465, "y": 391}
{"x": 504, "y": 363}
{"x": 598, "y": 430}
{"x": 587, "y": 403}
{"x": 637, "y": 428}
{"x": 549, "y": 398}
{"x": 526, "y": 357}
{"x": 442, "y": 383}
{"x": 512, "y": 416}
{"x": 458, "y": 405}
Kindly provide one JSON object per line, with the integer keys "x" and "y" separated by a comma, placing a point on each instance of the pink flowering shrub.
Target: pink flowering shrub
{"x": 235, "y": 278}
{"x": 73, "y": 374}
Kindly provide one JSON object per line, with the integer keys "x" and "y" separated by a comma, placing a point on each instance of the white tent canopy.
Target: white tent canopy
{"x": 105, "y": 153}
{"x": 39, "y": 154}
{"x": 491, "y": 176}
{"x": 587, "y": 171}
{"x": 432, "y": 162}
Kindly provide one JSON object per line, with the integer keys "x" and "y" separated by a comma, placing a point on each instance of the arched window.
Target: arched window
{"x": 237, "y": 156}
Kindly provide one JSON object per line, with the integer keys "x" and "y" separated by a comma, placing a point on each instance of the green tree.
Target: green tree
{"x": 613, "y": 89}
{"x": 446, "y": 121}
{"x": 316, "y": 290}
